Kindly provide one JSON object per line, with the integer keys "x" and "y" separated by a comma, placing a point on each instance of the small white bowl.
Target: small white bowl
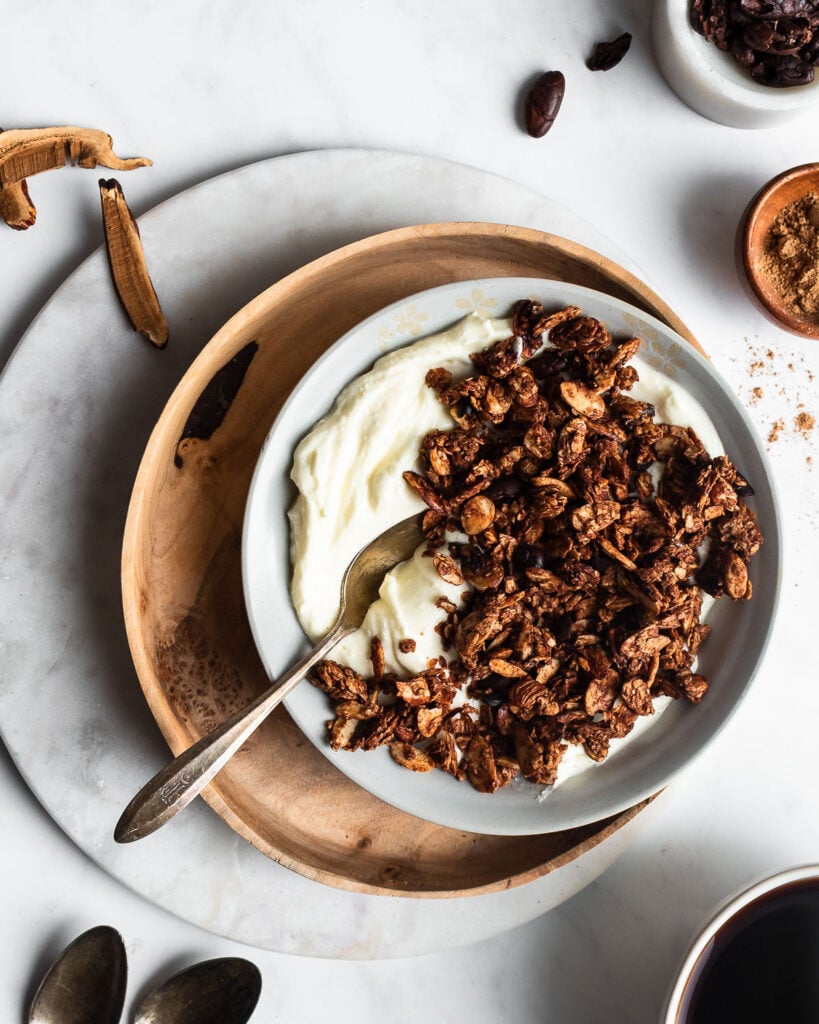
{"x": 712, "y": 83}
{"x": 724, "y": 913}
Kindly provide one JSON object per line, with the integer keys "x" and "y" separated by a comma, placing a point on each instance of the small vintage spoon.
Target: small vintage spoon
{"x": 178, "y": 783}
{"x": 86, "y": 985}
{"x": 222, "y": 991}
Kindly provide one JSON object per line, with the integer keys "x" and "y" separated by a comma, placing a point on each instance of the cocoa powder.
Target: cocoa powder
{"x": 804, "y": 424}
{"x": 791, "y": 255}
{"x": 781, "y": 389}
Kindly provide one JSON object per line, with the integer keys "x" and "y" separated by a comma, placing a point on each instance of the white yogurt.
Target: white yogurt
{"x": 348, "y": 468}
{"x": 348, "y": 471}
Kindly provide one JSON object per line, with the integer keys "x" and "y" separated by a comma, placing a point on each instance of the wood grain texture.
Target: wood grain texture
{"x": 181, "y": 570}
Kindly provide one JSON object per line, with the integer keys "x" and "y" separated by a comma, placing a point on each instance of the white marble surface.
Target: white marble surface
{"x": 71, "y": 712}
{"x": 202, "y": 89}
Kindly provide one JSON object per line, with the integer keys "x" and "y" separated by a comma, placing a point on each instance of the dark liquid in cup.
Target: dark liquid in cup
{"x": 763, "y": 965}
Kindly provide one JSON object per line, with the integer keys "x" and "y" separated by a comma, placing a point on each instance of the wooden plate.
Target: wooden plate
{"x": 181, "y": 574}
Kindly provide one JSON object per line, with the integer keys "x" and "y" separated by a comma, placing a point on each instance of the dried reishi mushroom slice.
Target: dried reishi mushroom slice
{"x": 28, "y": 151}
{"x": 128, "y": 267}
{"x": 16, "y": 208}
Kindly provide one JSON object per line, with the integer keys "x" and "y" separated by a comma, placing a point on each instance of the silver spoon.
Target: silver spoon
{"x": 86, "y": 984}
{"x": 222, "y": 991}
{"x": 178, "y": 783}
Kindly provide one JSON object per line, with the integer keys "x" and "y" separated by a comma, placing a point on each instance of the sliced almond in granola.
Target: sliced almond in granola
{"x": 645, "y": 643}
{"x": 413, "y": 692}
{"x": 735, "y": 577}
{"x": 447, "y": 569}
{"x": 583, "y": 400}
{"x": 636, "y": 694}
{"x": 424, "y": 491}
{"x": 481, "y": 767}
{"x": 411, "y": 757}
{"x": 429, "y": 721}
{"x": 507, "y": 669}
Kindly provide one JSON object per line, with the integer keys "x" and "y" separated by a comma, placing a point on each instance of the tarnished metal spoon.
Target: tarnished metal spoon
{"x": 178, "y": 783}
{"x": 222, "y": 991}
{"x": 86, "y": 985}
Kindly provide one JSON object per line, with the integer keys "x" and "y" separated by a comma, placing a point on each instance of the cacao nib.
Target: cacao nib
{"x": 605, "y": 56}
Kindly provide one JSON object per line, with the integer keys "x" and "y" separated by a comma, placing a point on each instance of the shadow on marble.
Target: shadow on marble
{"x": 619, "y": 942}
{"x": 705, "y": 224}
{"x": 618, "y": 16}
{"x": 9, "y": 770}
{"x": 85, "y": 238}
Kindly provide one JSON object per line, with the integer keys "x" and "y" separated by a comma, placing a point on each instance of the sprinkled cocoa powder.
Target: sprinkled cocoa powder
{"x": 791, "y": 255}
{"x": 780, "y": 387}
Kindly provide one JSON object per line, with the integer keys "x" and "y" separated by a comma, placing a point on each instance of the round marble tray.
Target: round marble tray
{"x": 77, "y": 403}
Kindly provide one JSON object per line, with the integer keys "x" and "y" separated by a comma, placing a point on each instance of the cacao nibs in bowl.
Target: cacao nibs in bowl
{"x": 776, "y": 40}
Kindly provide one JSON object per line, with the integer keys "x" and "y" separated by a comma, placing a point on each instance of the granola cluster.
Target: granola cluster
{"x": 588, "y": 533}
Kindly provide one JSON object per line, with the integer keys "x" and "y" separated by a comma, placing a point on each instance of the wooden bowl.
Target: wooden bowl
{"x": 181, "y": 572}
{"x": 763, "y": 209}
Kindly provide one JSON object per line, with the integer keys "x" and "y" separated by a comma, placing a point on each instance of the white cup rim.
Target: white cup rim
{"x": 723, "y": 913}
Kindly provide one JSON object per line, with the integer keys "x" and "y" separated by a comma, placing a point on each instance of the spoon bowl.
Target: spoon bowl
{"x": 186, "y": 776}
{"x": 221, "y": 991}
{"x": 86, "y": 984}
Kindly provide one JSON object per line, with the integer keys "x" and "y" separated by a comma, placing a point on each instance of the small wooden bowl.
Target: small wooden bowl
{"x": 763, "y": 209}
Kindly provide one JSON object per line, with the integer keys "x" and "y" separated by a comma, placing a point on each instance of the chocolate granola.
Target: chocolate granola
{"x": 588, "y": 533}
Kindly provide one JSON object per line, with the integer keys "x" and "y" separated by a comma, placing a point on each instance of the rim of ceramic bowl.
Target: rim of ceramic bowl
{"x": 724, "y": 912}
{"x": 802, "y": 327}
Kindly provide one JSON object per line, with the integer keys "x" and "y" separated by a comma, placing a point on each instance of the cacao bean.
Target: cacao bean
{"x": 543, "y": 103}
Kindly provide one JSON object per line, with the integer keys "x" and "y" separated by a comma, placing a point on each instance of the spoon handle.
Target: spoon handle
{"x": 186, "y": 776}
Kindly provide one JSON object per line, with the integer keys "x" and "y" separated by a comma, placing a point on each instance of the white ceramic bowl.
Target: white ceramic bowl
{"x": 727, "y": 910}
{"x": 730, "y": 658}
{"x": 711, "y": 82}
